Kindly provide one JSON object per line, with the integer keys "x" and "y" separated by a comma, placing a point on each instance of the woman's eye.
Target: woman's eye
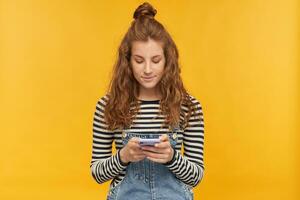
{"x": 139, "y": 62}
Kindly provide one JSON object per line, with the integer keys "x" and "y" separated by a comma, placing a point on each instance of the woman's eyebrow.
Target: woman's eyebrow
{"x": 143, "y": 57}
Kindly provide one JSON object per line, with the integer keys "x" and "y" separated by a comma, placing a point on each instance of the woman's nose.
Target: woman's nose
{"x": 147, "y": 68}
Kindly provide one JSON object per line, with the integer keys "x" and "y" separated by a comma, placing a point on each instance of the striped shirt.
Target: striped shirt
{"x": 188, "y": 167}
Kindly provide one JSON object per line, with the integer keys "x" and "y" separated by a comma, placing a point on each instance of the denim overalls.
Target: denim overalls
{"x": 148, "y": 180}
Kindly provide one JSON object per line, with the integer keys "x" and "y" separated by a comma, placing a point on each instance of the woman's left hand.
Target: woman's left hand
{"x": 161, "y": 152}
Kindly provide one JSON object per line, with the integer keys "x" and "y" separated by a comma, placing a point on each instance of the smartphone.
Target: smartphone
{"x": 149, "y": 141}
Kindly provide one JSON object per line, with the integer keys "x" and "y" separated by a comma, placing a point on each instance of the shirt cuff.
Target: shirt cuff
{"x": 174, "y": 158}
{"x": 120, "y": 161}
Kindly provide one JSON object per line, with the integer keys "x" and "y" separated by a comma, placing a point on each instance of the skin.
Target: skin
{"x": 147, "y": 60}
{"x": 162, "y": 152}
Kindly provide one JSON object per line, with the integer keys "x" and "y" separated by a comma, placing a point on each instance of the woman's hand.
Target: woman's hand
{"x": 161, "y": 152}
{"x": 132, "y": 152}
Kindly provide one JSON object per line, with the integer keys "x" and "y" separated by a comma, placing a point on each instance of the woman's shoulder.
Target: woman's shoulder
{"x": 194, "y": 100}
{"x": 102, "y": 101}
{"x": 192, "y": 97}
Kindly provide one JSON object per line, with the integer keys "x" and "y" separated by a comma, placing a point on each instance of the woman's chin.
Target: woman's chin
{"x": 148, "y": 85}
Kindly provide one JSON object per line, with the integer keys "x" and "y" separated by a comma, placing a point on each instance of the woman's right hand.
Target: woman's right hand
{"x": 132, "y": 151}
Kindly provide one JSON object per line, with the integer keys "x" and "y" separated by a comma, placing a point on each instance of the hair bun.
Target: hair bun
{"x": 145, "y": 9}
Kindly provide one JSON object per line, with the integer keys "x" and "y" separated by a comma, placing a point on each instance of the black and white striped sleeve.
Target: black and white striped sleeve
{"x": 104, "y": 166}
{"x": 189, "y": 168}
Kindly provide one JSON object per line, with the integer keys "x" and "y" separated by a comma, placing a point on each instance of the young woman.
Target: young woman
{"x": 147, "y": 100}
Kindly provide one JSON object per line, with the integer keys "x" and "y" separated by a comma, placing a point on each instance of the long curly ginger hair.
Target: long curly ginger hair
{"x": 123, "y": 90}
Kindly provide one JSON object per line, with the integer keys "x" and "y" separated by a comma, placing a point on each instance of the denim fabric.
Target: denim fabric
{"x": 145, "y": 179}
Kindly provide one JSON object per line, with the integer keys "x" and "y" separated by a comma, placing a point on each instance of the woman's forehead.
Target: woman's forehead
{"x": 149, "y": 48}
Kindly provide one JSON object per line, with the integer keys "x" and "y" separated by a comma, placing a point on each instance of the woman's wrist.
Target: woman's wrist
{"x": 172, "y": 159}
{"x": 122, "y": 158}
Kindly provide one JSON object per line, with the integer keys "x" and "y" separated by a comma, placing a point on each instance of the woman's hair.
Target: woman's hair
{"x": 123, "y": 88}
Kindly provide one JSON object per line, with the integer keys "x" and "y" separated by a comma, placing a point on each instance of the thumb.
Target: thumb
{"x": 135, "y": 140}
{"x": 164, "y": 137}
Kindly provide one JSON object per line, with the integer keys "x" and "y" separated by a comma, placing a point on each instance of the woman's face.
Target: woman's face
{"x": 147, "y": 61}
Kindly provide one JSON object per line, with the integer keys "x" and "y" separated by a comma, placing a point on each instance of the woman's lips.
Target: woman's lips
{"x": 148, "y": 79}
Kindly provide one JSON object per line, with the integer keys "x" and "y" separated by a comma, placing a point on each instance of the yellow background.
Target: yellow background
{"x": 239, "y": 58}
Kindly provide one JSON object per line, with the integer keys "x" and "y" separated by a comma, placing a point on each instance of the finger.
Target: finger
{"x": 139, "y": 153}
{"x": 140, "y": 156}
{"x": 135, "y": 140}
{"x": 150, "y": 148}
{"x": 137, "y": 147}
{"x": 164, "y": 137}
{"x": 135, "y": 143}
{"x": 163, "y": 145}
{"x": 155, "y": 155}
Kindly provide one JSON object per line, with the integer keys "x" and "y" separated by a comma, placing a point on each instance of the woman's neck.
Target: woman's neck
{"x": 149, "y": 94}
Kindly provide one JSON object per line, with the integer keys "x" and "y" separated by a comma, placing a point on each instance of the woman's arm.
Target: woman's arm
{"x": 189, "y": 168}
{"x": 104, "y": 166}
